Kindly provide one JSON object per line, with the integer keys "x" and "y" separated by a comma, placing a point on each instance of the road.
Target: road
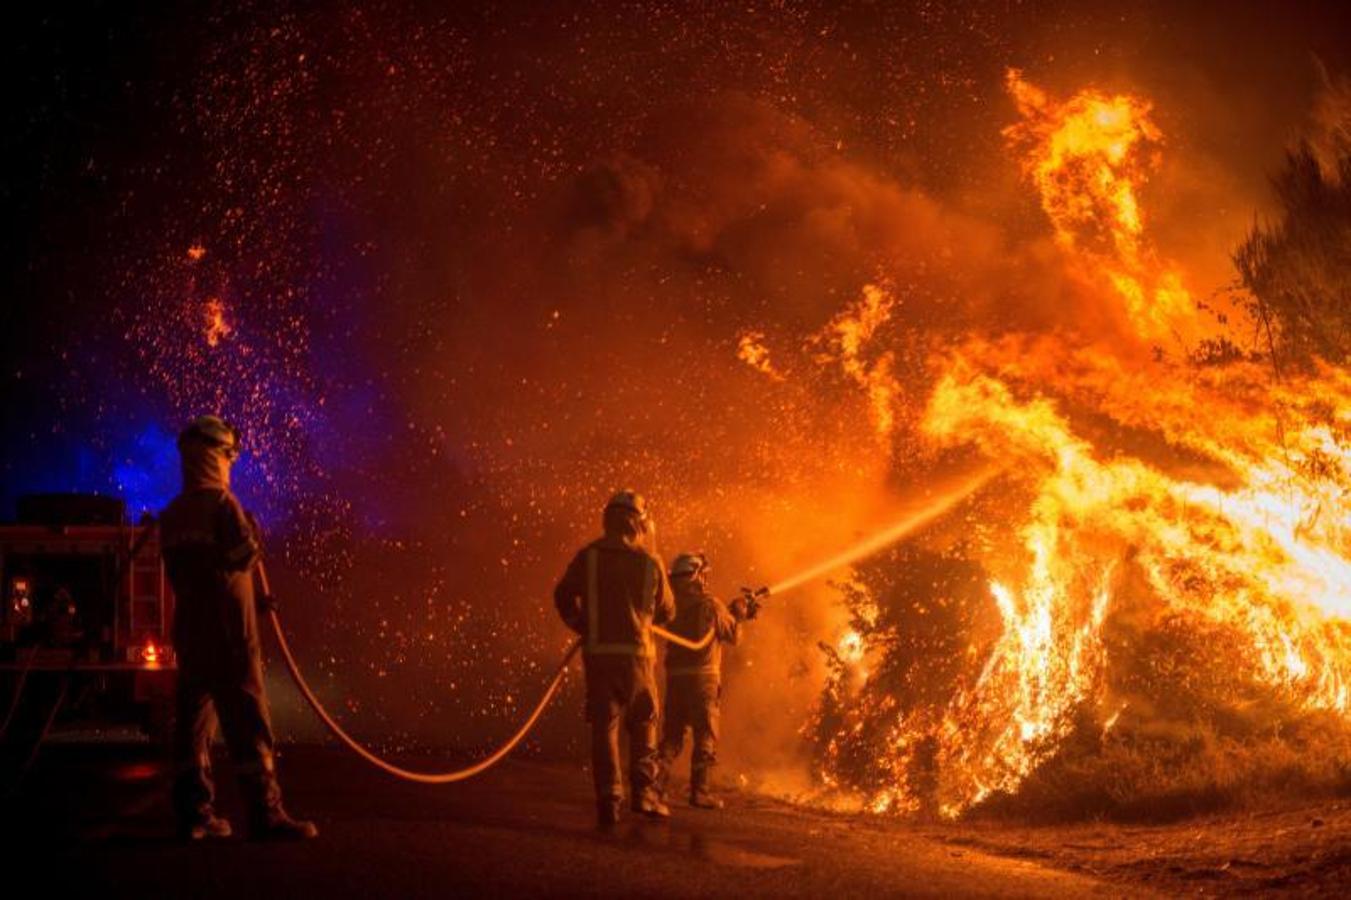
{"x": 93, "y": 818}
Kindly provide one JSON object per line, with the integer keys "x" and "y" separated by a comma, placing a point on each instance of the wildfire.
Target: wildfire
{"x": 1088, "y": 157}
{"x": 216, "y": 326}
{"x": 846, "y": 339}
{"x": 1209, "y": 500}
{"x": 1234, "y": 556}
{"x": 850, "y": 646}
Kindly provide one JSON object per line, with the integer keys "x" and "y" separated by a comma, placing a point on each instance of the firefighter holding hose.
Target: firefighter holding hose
{"x": 612, "y": 594}
{"x": 694, "y": 677}
{"x": 211, "y": 548}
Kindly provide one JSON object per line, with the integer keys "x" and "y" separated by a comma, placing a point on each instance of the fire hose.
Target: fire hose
{"x": 881, "y": 539}
{"x": 447, "y": 777}
{"x": 451, "y": 776}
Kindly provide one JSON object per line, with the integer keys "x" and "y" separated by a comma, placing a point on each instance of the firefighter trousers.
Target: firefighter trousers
{"x": 692, "y": 704}
{"x": 622, "y": 689}
{"x": 220, "y": 681}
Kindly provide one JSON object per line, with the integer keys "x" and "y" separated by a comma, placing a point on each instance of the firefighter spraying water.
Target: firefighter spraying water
{"x": 694, "y": 677}
{"x": 623, "y": 696}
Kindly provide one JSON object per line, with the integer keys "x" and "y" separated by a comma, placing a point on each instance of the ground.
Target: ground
{"x": 93, "y": 816}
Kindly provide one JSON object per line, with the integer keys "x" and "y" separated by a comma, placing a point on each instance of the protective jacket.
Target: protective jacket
{"x": 210, "y": 548}
{"x": 611, "y": 594}
{"x": 694, "y": 685}
{"x": 698, "y": 611}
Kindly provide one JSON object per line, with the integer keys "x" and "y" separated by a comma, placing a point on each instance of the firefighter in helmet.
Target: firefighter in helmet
{"x": 612, "y": 593}
{"x": 694, "y": 677}
{"x": 210, "y": 549}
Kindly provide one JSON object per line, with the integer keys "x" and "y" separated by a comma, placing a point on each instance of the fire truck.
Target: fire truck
{"x": 86, "y": 604}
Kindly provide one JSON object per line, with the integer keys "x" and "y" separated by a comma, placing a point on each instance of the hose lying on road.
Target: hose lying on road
{"x": 453, "y": 775}
{"x": 408, "y": 774}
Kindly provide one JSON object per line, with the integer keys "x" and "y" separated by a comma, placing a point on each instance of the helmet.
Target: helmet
{"x": 630, "y": 500}
{"x": 626, "y": 513}
{"x": 214, "y": 432}
{"x": 689, "y": 565}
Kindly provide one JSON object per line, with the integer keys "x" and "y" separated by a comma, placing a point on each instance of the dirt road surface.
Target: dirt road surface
{"x": 93, "y": 817}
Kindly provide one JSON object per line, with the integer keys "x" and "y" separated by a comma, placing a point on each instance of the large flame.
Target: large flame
{"x": 1263, "y": 553}
{"x": 1089, "y": 156}
{"x": 1210, "y": 495}
{"x": 847, "y": 339}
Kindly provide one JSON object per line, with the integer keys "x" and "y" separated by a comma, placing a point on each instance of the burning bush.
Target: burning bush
{"x": 1182, "y": 715}
{"x": 917, "y": 617}
{"x": 1155, "y": 619}
{"x": 1298, "y": 270}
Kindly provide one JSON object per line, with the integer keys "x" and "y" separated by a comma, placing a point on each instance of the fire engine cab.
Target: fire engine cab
{"x": 85, "y": 598}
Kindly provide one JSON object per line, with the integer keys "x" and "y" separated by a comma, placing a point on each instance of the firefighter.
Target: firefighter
{"x": 694, "y": 677}
{"x": 612, "y": 593}
{"x": 210, "y": 548}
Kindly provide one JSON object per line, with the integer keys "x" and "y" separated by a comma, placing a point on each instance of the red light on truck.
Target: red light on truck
{"x": 150, "y": 655}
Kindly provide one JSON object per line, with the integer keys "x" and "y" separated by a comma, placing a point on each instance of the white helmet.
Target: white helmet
{"x": 689, "y": 565}
{"x": 631, "y": 500}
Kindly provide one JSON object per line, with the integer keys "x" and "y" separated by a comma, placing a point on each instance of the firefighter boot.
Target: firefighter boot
{"x": 276, "y": 825}
{"x": 193, "y": 796}
{"x": 701, "y": 796}
{"x": 649, "y": 803}
{"x": 268, "y": 819}
{"x": 207, "y": 828}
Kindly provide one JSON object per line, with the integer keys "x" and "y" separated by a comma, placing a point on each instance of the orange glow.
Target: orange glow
{"x": 1263, "y": 554}
{"x": 1214, "y": 496}
{"x": 752, "y": 351}
{"x": 847, "y": 339}
{"x": 850, "y": 647}
{"x": 196, "y": 252}
{"x": 935, "y": 508}
{"x": 1088, "y": 157}
{"x": 150, "y": 655}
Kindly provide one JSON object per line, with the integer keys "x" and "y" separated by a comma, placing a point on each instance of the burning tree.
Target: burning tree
{"x": 1297, "y": 271}
{"x": 1159, "y": 620}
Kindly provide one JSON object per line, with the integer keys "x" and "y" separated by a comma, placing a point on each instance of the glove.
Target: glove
{"x": 747, "y": 606}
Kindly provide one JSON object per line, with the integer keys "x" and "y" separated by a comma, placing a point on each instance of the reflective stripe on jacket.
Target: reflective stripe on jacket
{"x": 611, "y": 594}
